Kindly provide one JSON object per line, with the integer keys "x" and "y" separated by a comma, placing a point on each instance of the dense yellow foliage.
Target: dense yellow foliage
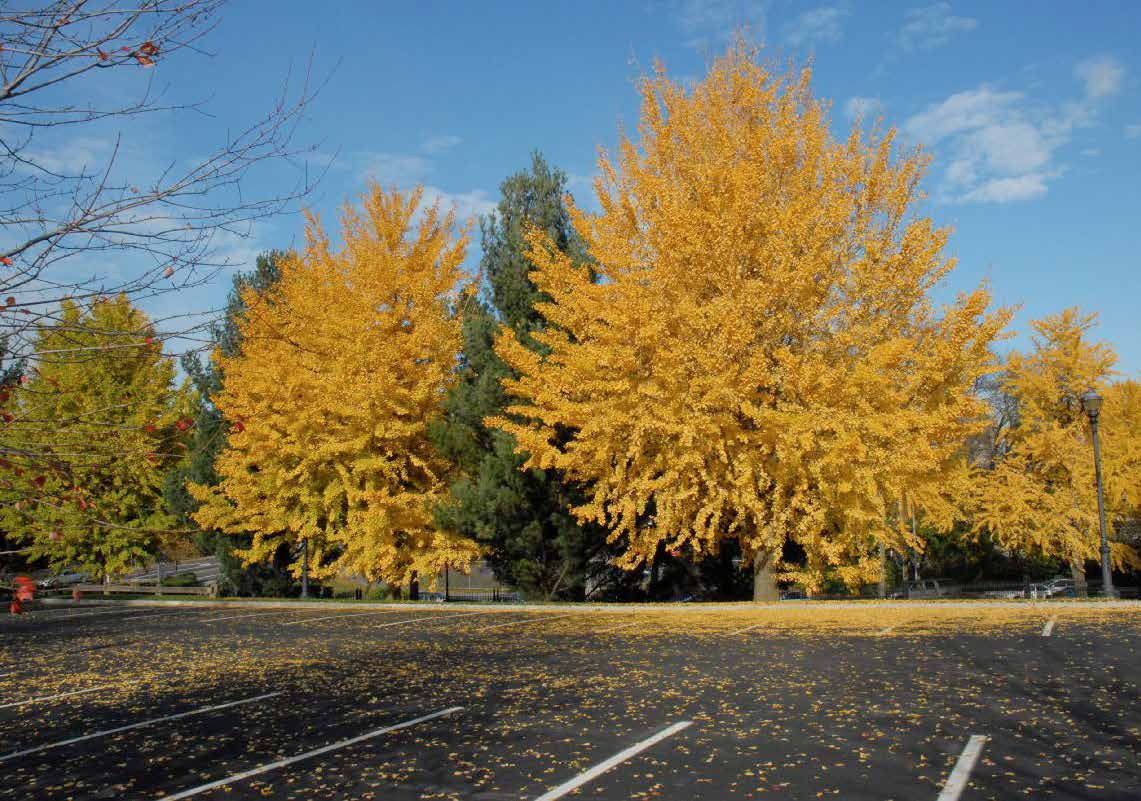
{"x": 1039, "y": 496}
{"x": 343, "y": 365}
{"x": 760, "y": 358}
{"x": 96, "y": 425}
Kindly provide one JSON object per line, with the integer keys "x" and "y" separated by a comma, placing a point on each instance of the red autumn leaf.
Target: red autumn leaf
{"x": 149, "y": 428}
{"x": 238, "y": 426}
{"x": 150, "y": 340}
{"x": 103, "y": 56}
{"x": 8, "y": 418}
{"x": 38, "y": 481}
{"x": 149, "y": 48}
{"x": 168, "y": 272}
{"x": 145, "y": 61}
{"x": 7, "y": 262}
{"x": 10, "y": 301}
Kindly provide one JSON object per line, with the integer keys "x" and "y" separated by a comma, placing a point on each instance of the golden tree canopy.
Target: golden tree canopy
{"x": 89, "y": 435}
{"x": 1039, "y": 496}
{"x": 759, "y": 358}
{"x": 343, "y": 364}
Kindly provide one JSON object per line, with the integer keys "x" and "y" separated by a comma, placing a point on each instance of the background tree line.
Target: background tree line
{"x": 734, "y": 373}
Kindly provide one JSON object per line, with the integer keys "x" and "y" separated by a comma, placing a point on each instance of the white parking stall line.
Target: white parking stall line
{"x": 338, "y": 617}
{"x": 161, "y": 613}
{"x": 252, "y": 614}
{"x": 1048, "y": 629}
{"x": 57, "y": 695}
{"x": 617, "y": 759}
{"x": 617, "y": 628}
{"x": 139, "y": 725}
{"x": 436, "y": 616}
{"x": 117, "y": 611}
{"x": 961, "y": 773}
{"x": 521, "y": 622}
{"x": 747, "y": 628}
{"x": 281, "y": 763}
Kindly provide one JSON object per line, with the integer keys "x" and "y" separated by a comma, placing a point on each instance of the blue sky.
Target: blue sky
{"x": 1031, "y": 110}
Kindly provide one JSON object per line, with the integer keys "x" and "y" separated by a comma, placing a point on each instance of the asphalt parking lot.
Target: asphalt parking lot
{"x": 914, "y": 702}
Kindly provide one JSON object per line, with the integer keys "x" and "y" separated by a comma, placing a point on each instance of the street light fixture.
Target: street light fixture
{"x": 1091, "y": 402}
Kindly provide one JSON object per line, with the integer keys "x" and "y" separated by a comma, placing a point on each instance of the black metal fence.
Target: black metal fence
{"x": 994, "y": 590}
{"x": 493, "y": 594}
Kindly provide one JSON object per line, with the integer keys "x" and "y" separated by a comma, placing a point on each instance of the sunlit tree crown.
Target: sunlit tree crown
{"x": 343, "y": 364}
{"x": 760, "y": 358}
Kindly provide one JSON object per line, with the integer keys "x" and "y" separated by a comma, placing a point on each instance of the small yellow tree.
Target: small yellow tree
{"x": 1039, "y": 494}
{"x": 760, "y": 359}
{"x": 87, "y": 438}
{"x": 343, "y": 364}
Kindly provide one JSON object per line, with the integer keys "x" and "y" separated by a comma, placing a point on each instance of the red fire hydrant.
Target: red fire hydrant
{"x": 23, "y": 590}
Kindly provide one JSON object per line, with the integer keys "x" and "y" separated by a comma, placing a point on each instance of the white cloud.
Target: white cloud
{"x": 960, "y": 112}
{"x": 466, "y": 204}
{"x": 1007, "y": 190}
{"x": 438, "y": 144}
{"x": 705, "y": 22}
{"x": 1010, "y": 147}
{"x": 393, "y": 168}
{"x": 1133, "y": 131}
{"x": 993, "y": 152}
{"x": 932, "y": 26}
{"x": 999, "y": 146}
{"x": 72, "y": 156}
{"x": 821, "y": 24}
{"x": 863, "y": 107}
{"x": 1102, "y": 76}
{"x": 405, "y": 171}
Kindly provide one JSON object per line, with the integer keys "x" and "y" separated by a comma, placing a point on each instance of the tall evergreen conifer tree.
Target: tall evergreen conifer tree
{"x": 521, "y": 516}
{"x": 209, "y": 437}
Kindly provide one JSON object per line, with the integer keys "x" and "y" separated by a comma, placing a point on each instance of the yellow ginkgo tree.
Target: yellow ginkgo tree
{"x": 759, "y": 358}
{"x": 1037, "y": 493}
{"x": 343, "y": 364}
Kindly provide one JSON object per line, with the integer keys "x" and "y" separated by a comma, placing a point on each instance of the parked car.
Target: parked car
{"x": 1059, "y": 587}
{"x": 59, "y": 581}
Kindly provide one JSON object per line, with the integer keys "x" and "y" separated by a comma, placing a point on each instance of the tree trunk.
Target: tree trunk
{"x": 764, "y": 580}
{"x": 1078, "y": 572}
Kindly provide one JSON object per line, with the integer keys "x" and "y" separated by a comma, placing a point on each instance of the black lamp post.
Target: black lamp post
{"x": 1091, "y": 402}
{"x": 305, "y": 567}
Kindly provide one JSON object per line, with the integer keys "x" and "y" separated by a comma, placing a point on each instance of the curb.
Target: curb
{"x": 705, "y": 608}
